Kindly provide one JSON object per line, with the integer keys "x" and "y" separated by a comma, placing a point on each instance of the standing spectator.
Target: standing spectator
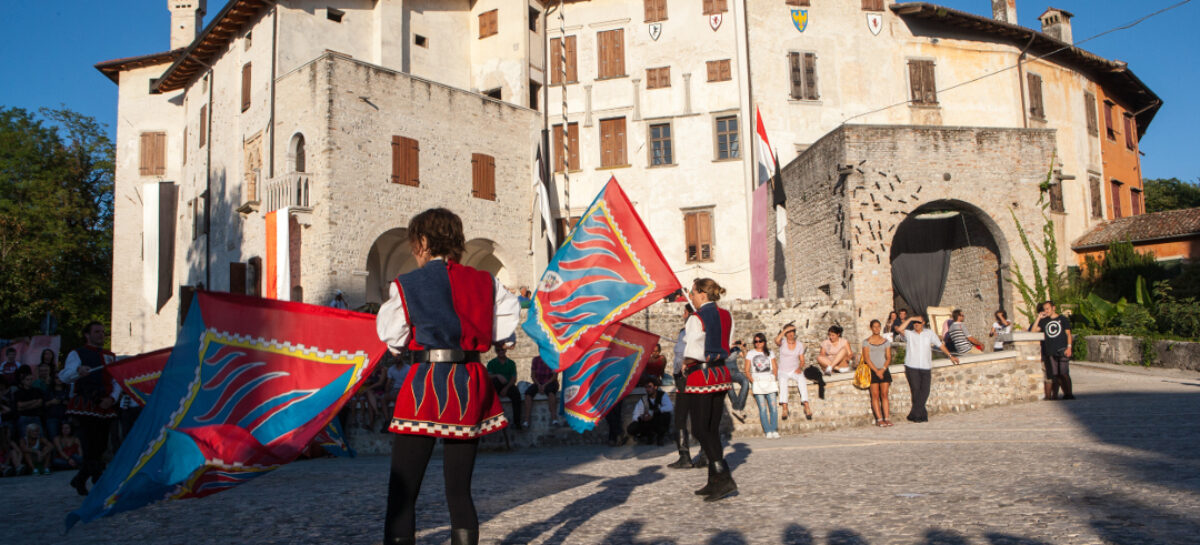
{"x": 760, "y": 365}
{"x": 835, "y": 353}
{"x": 44, "y": 372}
{"x": 56, "y": 406}
{"x": 656, "y": 365}
{"x": 791, "y": 361}
{"x": 683, "y": 404}
{"x": 1000, "y": 328}
{"x": 1056, "y": 350}
{"x": 918, "y": 363}
{"x": 503, "y": 372}
{"x": 66, "y": 449}
{"x": 94, "y": 395}
{"x": 901, "y": 317}
{"x": 339, "y": 300}
{"x": 961, "y": 342}
{"x": 891, "y": 319}
{"x": 545, "y": 382}
{"x": 397, "y": 368}
{"x": 8, "y": 369}
{"x": 49, "y": 358}
{"x": 877, "y": 354}
{"x": 651, "y": 415}
{"x": 733, "y": 363}
{"x": 29, "y": 401}
{"x": 36, "y": 450}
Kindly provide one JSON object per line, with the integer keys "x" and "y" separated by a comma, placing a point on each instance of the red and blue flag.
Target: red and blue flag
{"x": 247, "y": 387}
{"x": 605, "y": 374}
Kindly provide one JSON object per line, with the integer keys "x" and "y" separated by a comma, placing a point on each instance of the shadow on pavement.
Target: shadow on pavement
{"x": 613, "y": 492}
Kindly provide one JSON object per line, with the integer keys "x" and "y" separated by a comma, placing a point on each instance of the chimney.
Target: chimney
{"x": 1005, "y": 10}
{"x": 1056, "y": 23}
{"x": 186, "y": 19}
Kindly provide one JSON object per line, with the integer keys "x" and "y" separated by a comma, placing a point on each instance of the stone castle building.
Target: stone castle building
{"x": 286, "y": 144}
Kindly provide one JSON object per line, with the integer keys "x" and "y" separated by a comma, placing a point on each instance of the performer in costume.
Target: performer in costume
{"x": 707, "y": 335}
{"x": 447, "y": 314}
{"x": 93, "y": 401}
{"x": 683, "y": 404}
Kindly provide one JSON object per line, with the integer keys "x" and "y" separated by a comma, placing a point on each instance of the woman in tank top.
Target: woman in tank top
{"x": 791, "y": 366}
{"x": 877, "y": 354}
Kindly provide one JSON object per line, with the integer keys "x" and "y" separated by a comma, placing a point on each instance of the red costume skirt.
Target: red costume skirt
{"x": 707, "y": 380}
{"x": 78, "y": 406}
{"x": 450, "y": 400}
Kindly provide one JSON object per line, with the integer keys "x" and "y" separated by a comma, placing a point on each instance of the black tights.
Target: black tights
{"x": 94, "y": 438}
{"x": 706, "y": 411}
{"x": 410, "y": 456}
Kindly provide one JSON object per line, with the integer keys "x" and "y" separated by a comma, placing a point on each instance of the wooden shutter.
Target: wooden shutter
{"x": 872, "y": 5}
{"x": 914, "y": 81}
{"x": 810, "y": 76}
{"x": 1116, "y": 199}
{"x": 406, "y": 168}
{"x": 691, "y": 234}
{"x": 397, "y": 160}
{"x": 797, "y": 2}
{"x": 612, "y": 53}
{"x": 152, "y": 154}
{"x": 921, "y": 78}
{"x": 1036, "y": 108}
{"x": 573, "y": 143}
{"x": 1129, "y": 132}
{"x": 559, "y": 160}
{"x": 712, "y": 7}
{"x": 203, "y": 125}
{"x": 1108, "y": 122}
{"x": 237, "y": 278}
{"x": 185, "y": 145}
{"x": 612, "y": 142}
{"x": 483, "y": 176}
{"x": 245, "y": 87}
{"x": 705, "y": 232}
{"x": 556, "y": 77}
{"x": 726, "y": 73}
{"x": 658, "y": 78}
{"x": 1094, "y": 186}
{"x": 656, "y": 10}
{"x": 1089, "y": 111}
{"x": 719, "y": 70}
{"x": 572, "y": 67}
{"x": 488, "y": 24}
{"x": 797, "y": 73}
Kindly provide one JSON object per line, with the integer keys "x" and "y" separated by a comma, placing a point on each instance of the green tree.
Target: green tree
{"x": 1170, "y": 194}
{"x": 56, "y": 186}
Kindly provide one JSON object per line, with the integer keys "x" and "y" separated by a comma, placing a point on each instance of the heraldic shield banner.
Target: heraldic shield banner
{"x": 248, "y": 385}
{"x": 608, "y": 268}
{"x": 605, "y": 374}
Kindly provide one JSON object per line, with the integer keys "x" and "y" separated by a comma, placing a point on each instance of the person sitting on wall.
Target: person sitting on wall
{"x": 651, "y": 415}
{"x": 503, "y": 372}
{"x": 545, "y": 382}
{"x": 835, "y": 353}
{"x": 958, "y": 339}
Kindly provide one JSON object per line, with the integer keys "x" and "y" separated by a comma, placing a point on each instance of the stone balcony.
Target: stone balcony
{"x": 291, "y": 189}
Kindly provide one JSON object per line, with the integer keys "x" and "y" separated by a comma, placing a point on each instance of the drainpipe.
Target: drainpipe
{"x": 1021, "y": 79}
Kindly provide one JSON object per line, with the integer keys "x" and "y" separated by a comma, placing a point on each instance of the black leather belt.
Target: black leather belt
{"x": 445, "y": 355}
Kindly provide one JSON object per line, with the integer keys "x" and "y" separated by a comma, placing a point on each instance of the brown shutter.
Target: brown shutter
{"x": 603, "y": 54}
{"x": 245, "y": 87}
{"x": 573, "y": 142}
{"x": 620, "y": 155}
{"x": 144, "y": 154}
{"x": 1089, "y": 109}
{"x": 691, "y": 234}
{"x": 1035, "y": 96}
{"x": 810, "y": 76}
{"x": 1108, "y": 122}
{"x": 712, "y": 70}
{"x": 705, "y": 232}
{"x": 930, "y": 82}
{"x": 726, "y": 72}
{"x": 656, "y": 10}
{"x": 159, "y": 165}
{"x": 714, "y": 6}
{"x": 1129, "y": 131}
{"x": 914, "y": 81}
{"x": 412, "y": 159}
{"x": 203, "y": 125}
{"x": 618, "y": 63}
{"x": 558, "y": 148}
{"x": 606, "y": 142}
{"x": 483, "y": 176}
{"x": 572, "y": 67}
{"x": 872, "y": 5}
{"x": 152, "y": 153}
{"x": 185, "y": 145}
{"x": 556, "y": 61}
{"x": 491, "y": 177}
{"x": 797, "y": 76}
{"x": 237, "y": 278}
{"x": 397, "y": 160}
{"x": 1094, "y": 186}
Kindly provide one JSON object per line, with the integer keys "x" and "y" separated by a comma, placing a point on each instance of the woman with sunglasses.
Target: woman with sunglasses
{"x": 760, "y": 367}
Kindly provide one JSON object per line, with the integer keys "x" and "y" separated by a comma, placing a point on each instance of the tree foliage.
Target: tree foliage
{"x": 56, "y": 191}
{"x": 1170, "y": 194}
{"x": 1116, "y": 274}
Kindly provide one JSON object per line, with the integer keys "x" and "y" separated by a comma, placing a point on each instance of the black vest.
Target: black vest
{"x": 93, "y": 385}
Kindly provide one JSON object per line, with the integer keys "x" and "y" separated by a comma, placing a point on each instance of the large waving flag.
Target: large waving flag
{"x": 605, "y": 374}
{"x": 248, "y": 385}
{"x": 766, "y": 167}
{"x": 608, "y": 268}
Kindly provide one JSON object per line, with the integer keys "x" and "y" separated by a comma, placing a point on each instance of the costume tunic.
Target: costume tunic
{"x": 707, "y": 334}
{"x": 88, "y": 390}
{"x": 445, "y": 305}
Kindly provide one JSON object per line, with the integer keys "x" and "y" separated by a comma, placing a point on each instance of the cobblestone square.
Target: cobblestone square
{"x": 1119, "y": 465}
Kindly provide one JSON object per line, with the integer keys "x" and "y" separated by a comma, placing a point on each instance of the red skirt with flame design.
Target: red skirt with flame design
{"x": 449, "y": 400}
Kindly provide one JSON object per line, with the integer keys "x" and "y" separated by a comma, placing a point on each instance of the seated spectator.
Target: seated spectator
{"x": 887, "y": 325}
{"x": 56, "y": 405}
{"x": 10, "y": 456}
{"x": 901, "y": 318}
{"x": 733, "y": 363}
{"x": 651, "y": 415}
{"x": 68, "y": 452}
{"x": 503, "y": 372}
{"x": 29, "y": 401}
{"x": 1000, "y": 328}
{"x": 656, "y": 365}
{"x": 8, "y": 369}
{"x": 545, "y": 382}
{"x": 35, "y": 451}
{"x": 957, "y": 339}
{"x": 835, "y": 353}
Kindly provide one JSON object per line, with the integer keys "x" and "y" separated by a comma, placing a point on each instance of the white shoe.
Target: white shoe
{"x": 775, "y": 435}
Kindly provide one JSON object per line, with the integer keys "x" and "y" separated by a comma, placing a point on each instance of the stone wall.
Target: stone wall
{"x": 1127, "y": 349}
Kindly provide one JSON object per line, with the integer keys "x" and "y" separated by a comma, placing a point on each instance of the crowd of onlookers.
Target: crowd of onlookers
{"x": 35, "y": 435}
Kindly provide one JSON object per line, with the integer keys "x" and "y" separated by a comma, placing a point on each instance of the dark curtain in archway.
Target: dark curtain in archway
{"x": 921, "y": 260}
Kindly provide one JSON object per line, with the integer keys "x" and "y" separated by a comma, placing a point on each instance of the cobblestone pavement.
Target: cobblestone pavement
{"x": 1119, "y": 465}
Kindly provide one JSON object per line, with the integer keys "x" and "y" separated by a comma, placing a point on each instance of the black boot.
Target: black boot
{"x": 700, "y": 460}
{"x": 708, "y": 487}
{"x": 79, "y": 482}
{"x": 685, "y": 455}
{"x": 400, "y": 541}
{"x": 723, "y": 485}
{"x": 463, "y": 536}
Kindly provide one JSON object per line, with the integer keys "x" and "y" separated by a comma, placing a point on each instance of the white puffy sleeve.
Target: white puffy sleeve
{"x": 70, "y": 371}
{"x": 693, "y": 338}
{"x": 392, "y": 322}
{"x": 507, "y": 314}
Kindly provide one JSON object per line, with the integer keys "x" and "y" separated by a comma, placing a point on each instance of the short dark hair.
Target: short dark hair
{"x": 88, "y": 328}
{"x": 873, "y": 322}
{"x": 651, "y": 380}
{"x": 837, "y": 329}
{"x": 1044, "y": 303}
{"x": 442, "y": 231}
{"x": 956, "y": 314}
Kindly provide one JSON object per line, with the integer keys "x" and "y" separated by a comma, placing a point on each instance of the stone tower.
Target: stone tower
{"x": 186, "y": 19}
{"x": 1005, "y": 10}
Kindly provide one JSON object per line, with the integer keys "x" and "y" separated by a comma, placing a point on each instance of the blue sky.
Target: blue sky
{"x": 50, "y": 47}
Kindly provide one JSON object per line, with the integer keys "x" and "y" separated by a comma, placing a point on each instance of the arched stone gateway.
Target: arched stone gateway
{"x": 481, "y": 254}
{"x": 950, "y": 253}
{"x": 391, "y": 256}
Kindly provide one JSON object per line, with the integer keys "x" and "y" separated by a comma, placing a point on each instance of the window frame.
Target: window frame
{"x": 798, "y": 64}
{"x": 708, "y": 212}
{"x": 607, "y": 143}
{"x": 717, "y": 133}
{"x": 570, "y": 43}
{"x": 572, "y": 161}
{"x": 608, "y": 69}
{"x": 669, "y": 140}
{"x": 658, "y": 77}
{"x": 921, "y": 102}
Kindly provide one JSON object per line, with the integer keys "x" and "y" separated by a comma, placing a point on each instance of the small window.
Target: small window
{"x": 804, "y": 76}
{"x": 611, "y": 48}
{"x": 698, "y": 232}
{"x": 535, "y": 93}
{"x": 534, "y": 15}
{"x": 661, "y": 147}
{"x": 249, "y": 39}
{"x": 483, "y": 176}
{"x": 420, "y": 41}
{"x": 334, "y": 15}
{"x": 1130, "y": 133}
{"x": 612, "y": 142}
{"x": 488, "y": 24}
{"x": 493, "y": 93}
{"x": 246, "y": 86}
{"x": 713, "y": 7}
{"x": 298, "y": 154}
{"x": 922, "y": 81}
{"x": 1056, "y": 198}
{"x": 152, "y": 154}
{"x": 1108, "y": 120}
{"x": 203, "y": 125}
{"x": 727, "y": 141}
{"x": 1097, "y": 199}
{"x": 719, "y": 70}
{"x": 571, "y": 147}
{"x": 1037, "y": 109}
{"x": 558, "y": 51}
{"x": 406, "y": 168}
{"x": 872, "y": 5}
{"x": 237, "y": 277}
{"x": 658, "y": 78}
{"x": 1135, "y": 202}
{"x": 798, "y": 2}
{"x": 1089, "y": 111}
{"x": 1115, "y": 189}
{"x": 656, "y": 10}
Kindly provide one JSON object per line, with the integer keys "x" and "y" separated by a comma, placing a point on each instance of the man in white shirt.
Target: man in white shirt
{"x": 918, "y": 363}
{"x": 651, "y": 415}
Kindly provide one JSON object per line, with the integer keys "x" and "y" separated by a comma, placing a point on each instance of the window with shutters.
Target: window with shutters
{"x": 713, "y": 7}
{"x": 237, "y": 278}
{"x": 611, "y": 53}
{"x": 203, "y": 125}
{"x": 662, "y": 150}
{"x": 406, "y": 167}
{"x": 872, "y": 5}
{"x": 798, "y": 2}
{"x": 245, "y": 87}
{"x": 1108, "y": 120}
{"x": 698, "y": 231}
{"x": 658, "y": 78}
{"x": 612, "y": 143}
{"x": 1135, "y": 202}
{"x": 656, "y": 10}
{"x": 483, "y": 176}
{"x": 727, "y": 138}
{"x": 488, "y": 24}
{"x": 1115, "y": 189}
{"x": 1037, "y": 109}
{"x": 559, "y": 49}
{"x": 1089, "y": 111}
{"x": 152, "y": 154}
{"x": 572, "y": 147}
{"x": 1056, "y": 198}
{"x": 1097, "y": 199}
{"x": 185, "y": 131}
{"x": 804, "y": 75}
{"x": 719, "y": 70}
{"x": 921, "y": 80}
{"x": 1130, "y": 134}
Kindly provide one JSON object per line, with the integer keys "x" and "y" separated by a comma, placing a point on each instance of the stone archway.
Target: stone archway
{"x": 481, "y": 254}
{"x": 390, "y": 256}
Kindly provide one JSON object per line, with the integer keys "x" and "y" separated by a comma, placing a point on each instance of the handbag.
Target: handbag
{"x": 862, "y": 376}
{"x": 764, "y": 383}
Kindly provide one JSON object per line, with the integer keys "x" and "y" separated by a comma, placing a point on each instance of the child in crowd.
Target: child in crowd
{"x": 36, "y": 450}
{"x": 67, "y": 449}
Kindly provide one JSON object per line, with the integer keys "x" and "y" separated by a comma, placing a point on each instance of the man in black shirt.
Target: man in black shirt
{"x": 1056, "y": 350}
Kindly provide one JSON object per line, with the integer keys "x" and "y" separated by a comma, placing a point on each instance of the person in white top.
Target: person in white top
{"x": 1000, "y": 328}
{"x": 761, "y": 368}
{"x": 791, "y": 366}
{"x": 918, "y": 363}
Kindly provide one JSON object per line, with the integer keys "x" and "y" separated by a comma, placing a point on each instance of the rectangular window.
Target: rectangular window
{"x": 152, "y": 155}
{"x": 1097, "y": 200}
{"x": 557, "y": 53}
{"x": 804, "y": 76}
{"x": 658, "y": 78}
{"x": 1108, "y": 120}
{"x": 612, "y": 142}
{"x": 656, "y": 10}
{"x": 483, "y": 176}
{"x": 185, "y": 145}
{"x": 661, "y": 147}
{"x": 487, "y": 24}
{"x": 1089, "y": 111}
{"x": 713, "y": 7}
{"x": 1036, "y": 108}
{"x": 203, "y": 125}
{"x": 921, "y": 79}
{"x": 535, "y": 93}
{"x": 406, "y": 169}
{"x": 1135, "y": 202}
{"x": 1116, "y": 199}
{"x": 1130, "y": 135}
{"x": 237, "y": 278}
{"x": 872, "y": 5}
{"x": 611, "y": 53}
{"x": 534, "y": 15}
{"x": 572, "y": 150}
{"x": 334, "y": 15}
{"x": 245, "y": 87}
{"x": 697, "y": 227}
{"x": 798, "y": 2}
{"x": 1056, "y": 198}
{"x": 727, "y": 138}
{"x": 719, "y": 70}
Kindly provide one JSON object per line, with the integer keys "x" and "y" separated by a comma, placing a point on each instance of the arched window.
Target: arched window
{"x": 297, "y": 152}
